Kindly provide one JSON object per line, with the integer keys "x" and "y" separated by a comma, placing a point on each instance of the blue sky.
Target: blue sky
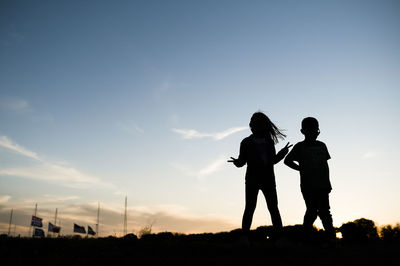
{"x": 148, "y": 99}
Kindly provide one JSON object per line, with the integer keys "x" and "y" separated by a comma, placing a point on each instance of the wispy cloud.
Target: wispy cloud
{"x": 9, "y": 144}
{"x": 48, "y": 199}
{"x": 4, "y": 198}
{"x": 194, "y": 134}
{"x": 129, "y": 127}
{"x": 204, "y": 171}
{"x": 48, "y": 171}
{"x": 211, "y": 167}
{"x": 162, "y": 89}
{"x": 174, "y": 119}
{"x": 369, "y": 155}
{"x": 22, "y": 107}
{"x": 15, "y": 105}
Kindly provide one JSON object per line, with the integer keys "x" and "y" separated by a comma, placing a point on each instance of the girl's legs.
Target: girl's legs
{"x": 251, "y": 202}
{"x": 272, "y": 203}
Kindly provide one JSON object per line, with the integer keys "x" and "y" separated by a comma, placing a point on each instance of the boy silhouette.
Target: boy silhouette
{"x": 312, "y": 158}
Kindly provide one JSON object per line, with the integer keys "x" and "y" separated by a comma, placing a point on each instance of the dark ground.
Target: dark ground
{"x": 204, "y": 249}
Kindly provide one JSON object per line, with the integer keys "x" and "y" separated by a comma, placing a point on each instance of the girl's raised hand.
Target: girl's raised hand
{"x": 232, "y": 161}
{"x": 286, "y": 148}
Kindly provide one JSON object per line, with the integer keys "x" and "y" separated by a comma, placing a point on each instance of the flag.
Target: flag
{"x": 38, "y": 232}
{"x": 79, "y": 229}
{"x": 91, "y": 231}
{"x": 53, "y": 228}
{"x": 36, "y": 221}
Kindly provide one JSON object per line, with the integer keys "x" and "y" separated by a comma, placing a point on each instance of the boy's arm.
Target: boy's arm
{"x": 289, "y": 160}
{"x": 292, "y": 164}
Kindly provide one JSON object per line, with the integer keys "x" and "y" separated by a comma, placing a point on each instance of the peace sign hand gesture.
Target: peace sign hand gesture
{"x": 233, "y": 160}
{"x": 285, "y": 149}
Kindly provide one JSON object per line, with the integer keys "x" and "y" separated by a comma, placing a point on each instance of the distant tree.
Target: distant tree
{"x": 145, "y": 231}
{"x": 390, "y": 233}
{"x": 359, "y": 230}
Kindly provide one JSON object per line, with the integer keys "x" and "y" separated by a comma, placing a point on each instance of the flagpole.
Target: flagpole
{"x": 30, "y": 228}
{"x": 9, "y": 226}
{"x": 125, "y": 216}
{"x": 59, "y": 232}
{"x": 98, "y": 216}
{"x": 55, "y": 219}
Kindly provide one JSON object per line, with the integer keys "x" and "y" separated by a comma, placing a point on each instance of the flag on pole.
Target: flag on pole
{"x": 38, "y": 232}
{"x": 79, "y": 229}
{"x": 36, "y": 221}
{"x": 53, "y": 228}
{"x": 91, "y": 231}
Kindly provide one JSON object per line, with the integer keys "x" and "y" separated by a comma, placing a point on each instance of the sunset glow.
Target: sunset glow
{"x": 149, "y": 99}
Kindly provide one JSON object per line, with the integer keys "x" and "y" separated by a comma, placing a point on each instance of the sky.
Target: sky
{"x": 102, "y": 100}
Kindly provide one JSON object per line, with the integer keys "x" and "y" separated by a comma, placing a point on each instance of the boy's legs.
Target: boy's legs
{"x": 251, "y": 202}
{"x": 324, "y": 213}
{"x": 311, "y": 200}
{"x": 272, "y": 203}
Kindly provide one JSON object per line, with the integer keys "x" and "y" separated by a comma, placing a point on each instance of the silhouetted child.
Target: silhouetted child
{"x": 312, "y": 157}
{"x": 258, "y": 151}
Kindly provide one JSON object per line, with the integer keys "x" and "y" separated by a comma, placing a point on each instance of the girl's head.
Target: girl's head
{"x": 261, "y": 126}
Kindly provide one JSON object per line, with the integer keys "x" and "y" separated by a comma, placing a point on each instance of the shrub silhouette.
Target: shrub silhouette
{"x": 359, "y": 230}
{"x": 390, "y": 233}
{"x": 130, "y": 237}
{"x": 145, "y": 231}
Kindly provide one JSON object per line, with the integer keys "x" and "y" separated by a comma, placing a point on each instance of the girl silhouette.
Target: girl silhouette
{"x": 258, "y": 151}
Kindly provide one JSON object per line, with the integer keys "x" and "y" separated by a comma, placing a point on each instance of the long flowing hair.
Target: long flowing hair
{"x": 259, "y": 121}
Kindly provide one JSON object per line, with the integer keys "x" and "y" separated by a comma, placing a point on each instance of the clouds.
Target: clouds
{"x": 15, "y": 105}
{"x": 173, "y": 218}
{"x": 129, "y": 127}
{"x": 22, "y": 107}
{"x": 194, "y": 134}
{"x": 5, "y": 142}
{"x": 4, "y": 198}
{"x": 50, "y": 199}
{"x": 369, "y": 155}
{"x": 211, "y": 167}
{"x": 204, "y": 171}
{"x": 45, "y": 170}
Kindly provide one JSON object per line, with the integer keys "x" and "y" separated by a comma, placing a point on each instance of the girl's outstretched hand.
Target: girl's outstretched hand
{"x": 285, "y": 149}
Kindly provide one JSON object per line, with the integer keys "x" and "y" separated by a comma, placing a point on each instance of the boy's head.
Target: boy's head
{"x": 310, "y": 128}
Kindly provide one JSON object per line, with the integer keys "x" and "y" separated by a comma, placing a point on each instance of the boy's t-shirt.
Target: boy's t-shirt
{"x": 313, "y": 162}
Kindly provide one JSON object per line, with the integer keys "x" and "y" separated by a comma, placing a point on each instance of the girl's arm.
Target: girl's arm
{"x": 239, "y": 162}
{"x": 282, "y": 153}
